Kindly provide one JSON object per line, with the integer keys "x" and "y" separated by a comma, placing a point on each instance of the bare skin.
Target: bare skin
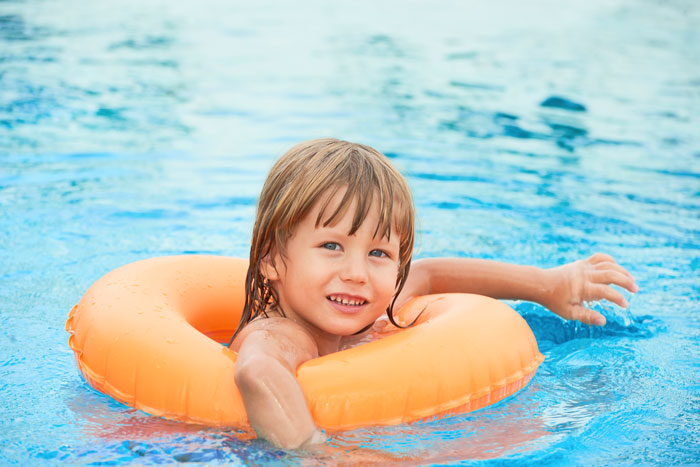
{"x": 563, "y": 289}
{"x": 271, "y": 349}
{"x": 332, "y": 284}
{"x": 269, "y": 352}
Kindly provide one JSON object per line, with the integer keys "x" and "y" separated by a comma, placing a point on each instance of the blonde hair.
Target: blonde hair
{"x": 316, "y": 170}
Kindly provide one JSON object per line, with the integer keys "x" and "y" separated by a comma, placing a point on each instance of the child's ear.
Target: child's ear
{"x": 268, "y": 269}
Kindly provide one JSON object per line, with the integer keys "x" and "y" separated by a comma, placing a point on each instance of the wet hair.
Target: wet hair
{"x": 314, "y": 171}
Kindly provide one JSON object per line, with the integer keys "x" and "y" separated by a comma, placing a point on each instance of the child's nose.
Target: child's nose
{"x": 354, "y": 269}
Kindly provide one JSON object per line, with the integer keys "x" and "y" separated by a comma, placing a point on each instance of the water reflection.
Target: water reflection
{"x": 491, "y": 433}
{"x": 121, "y": 434}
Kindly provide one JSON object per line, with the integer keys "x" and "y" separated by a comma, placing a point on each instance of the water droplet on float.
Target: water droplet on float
{"x": 169, "y": 340}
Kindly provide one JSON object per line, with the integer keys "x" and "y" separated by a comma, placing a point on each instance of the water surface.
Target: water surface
{"x": 533, "y": 133}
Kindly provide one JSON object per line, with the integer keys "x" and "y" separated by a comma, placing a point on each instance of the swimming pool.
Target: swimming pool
{"x": 536, "y": 134}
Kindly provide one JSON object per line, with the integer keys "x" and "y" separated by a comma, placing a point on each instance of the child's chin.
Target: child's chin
{"x": 345, "y": 331}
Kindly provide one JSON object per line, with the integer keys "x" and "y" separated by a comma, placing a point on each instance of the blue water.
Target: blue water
{"x": 530, "y": 132}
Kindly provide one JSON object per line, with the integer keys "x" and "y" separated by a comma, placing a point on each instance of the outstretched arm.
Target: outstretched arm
{"x": 563, "y": 289}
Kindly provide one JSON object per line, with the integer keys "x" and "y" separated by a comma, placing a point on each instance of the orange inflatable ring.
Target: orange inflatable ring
{"x": 148, "y": 334}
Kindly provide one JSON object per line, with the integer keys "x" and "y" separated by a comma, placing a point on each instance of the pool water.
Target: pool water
{"x": 530, "y": 132}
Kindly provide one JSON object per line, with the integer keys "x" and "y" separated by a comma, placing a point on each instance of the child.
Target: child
{"x": 331, "y": 253}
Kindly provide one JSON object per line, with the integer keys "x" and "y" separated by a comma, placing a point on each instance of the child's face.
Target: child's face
{"x": 332, "y": 283}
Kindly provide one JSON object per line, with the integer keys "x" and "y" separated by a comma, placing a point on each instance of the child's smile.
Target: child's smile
{"x": 332, "y": 283}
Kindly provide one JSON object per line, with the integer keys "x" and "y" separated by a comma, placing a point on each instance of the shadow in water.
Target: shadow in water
{"x": 560, "y": 121}
{"x": 550, "y": 329}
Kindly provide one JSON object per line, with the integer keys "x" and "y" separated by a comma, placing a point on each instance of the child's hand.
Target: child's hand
{"x": 319, "y": 437}
{"x": 587, "y": 281}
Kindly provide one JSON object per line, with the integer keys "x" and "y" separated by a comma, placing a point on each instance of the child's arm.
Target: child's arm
{"x": 269, "y": 351}
{"x": 562, "y": 289}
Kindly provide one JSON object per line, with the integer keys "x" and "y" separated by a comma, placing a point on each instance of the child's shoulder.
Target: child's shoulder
{"x": 278, "y": 337}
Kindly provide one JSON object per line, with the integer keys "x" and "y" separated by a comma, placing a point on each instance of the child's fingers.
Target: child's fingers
{"x": 588, "y": 316}
{"x": 600, "y": 258}
{"x": 600, "y": 291}
{"x": 613, "y": 266}
{"x": 614, "y": 277}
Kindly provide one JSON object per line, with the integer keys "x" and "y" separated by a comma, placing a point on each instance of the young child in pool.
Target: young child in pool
{"x": 331, "y": 253}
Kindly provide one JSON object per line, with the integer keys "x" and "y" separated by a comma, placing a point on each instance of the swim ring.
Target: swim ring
{"x": 148, "y": 334}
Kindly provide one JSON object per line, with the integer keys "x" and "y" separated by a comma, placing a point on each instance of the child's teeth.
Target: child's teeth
{"x": 345, "y": 301}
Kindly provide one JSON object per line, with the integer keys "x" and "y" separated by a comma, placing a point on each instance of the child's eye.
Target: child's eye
{"x": 331, "y": 246}
{"x": 378, "y": 253}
